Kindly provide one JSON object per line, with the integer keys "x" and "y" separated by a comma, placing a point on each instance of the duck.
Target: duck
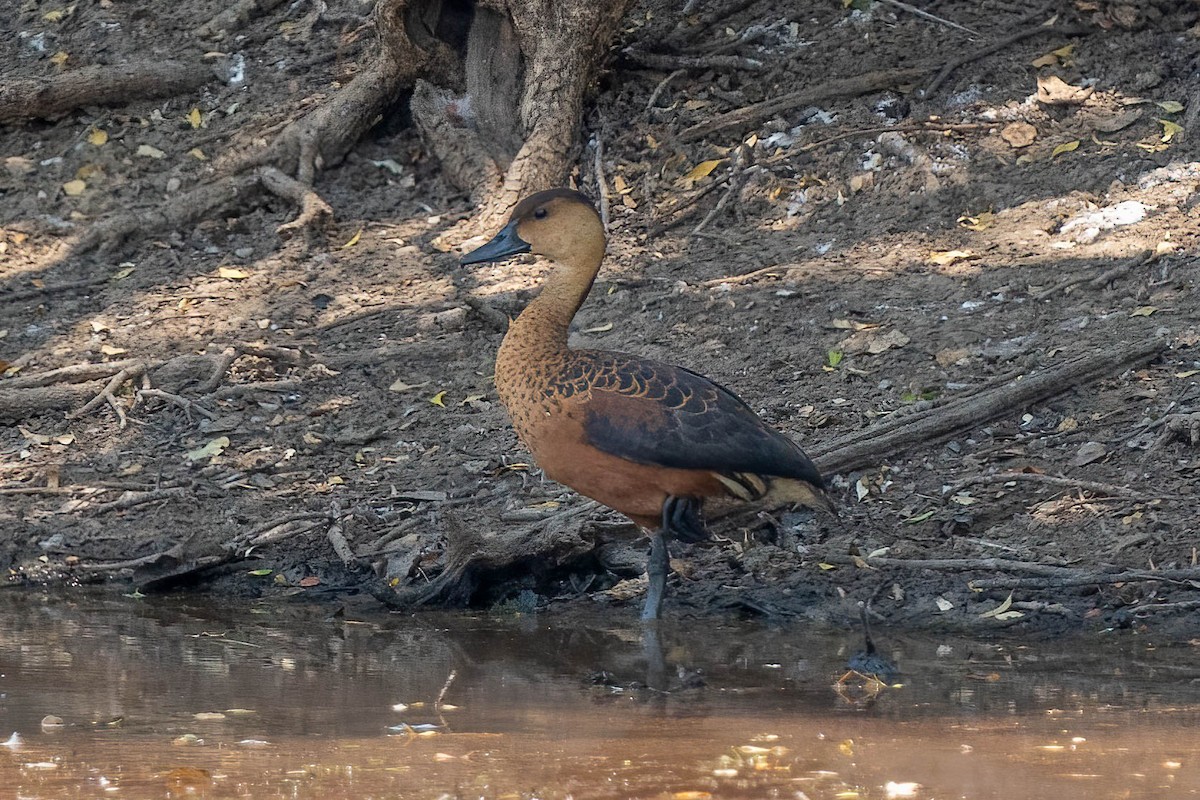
{"x": 651, "y": 440}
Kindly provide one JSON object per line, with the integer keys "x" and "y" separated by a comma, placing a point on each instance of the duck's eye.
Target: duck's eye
{"x": 539, "y": 213}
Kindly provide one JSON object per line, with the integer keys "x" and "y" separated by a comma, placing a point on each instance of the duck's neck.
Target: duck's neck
{"x": 546, "y": 321}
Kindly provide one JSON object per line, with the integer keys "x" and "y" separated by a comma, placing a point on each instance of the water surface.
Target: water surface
{"x": 190, "y": 698}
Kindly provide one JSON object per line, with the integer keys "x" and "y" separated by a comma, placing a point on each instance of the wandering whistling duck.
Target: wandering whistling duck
{"x": 648, "y": 439}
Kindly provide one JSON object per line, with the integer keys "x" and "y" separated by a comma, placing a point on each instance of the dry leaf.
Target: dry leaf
{"x": 311, "y": 580}
{"x": 232, "y": 273}
{"x": 60, "y": 58}
{"x": 608, "y": 326}
{"x": 353, "y": 239}
{"x": 701, "y": 170}
{"x": 74, "y": 188}
{"x": 400, "y": 386}
{"x": 195, "y": 118}
{"x": 1000, "y": 609}
{"x": 109, "y": 350}
{"x": 97, "y": 137}
{"x": 872, "y": 341}
{"x": 943, "y": 604}
{"x": 852, "y": 325}
{"x": 1169, "y": 129}
{"x": 197, "y": 154}
{"x": 979, "y": 223}
{"x": 1170, "y": 106}
{"x": 1065, "y": 147}
{"x": 1143, "y": 311}
{"x": 620, "y": 187}
{"x": 123, "y": 273}
{"x": 1019, "y": 134}
{"x": 1060, "y": 56}
{"x": 1187, "y": 373}
{"x": 149, "y": 151}
{"x": 210, "y": 450}
{"x": 1054, "y": 91}
{"x": 54, "y": 16}
{"x": 439, "y": 399}
{"x": 944, "y": 258}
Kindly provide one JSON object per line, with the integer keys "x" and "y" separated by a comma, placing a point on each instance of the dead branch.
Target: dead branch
{"x": 885, "y": 440}
{"x": 838, "y": 87}
{"x": 188, "y": 406}
{"x": 948, "y": 70}
{"x": 1080, "y": 577}
{"x": 487, "y": 312}
{"x": 107, "y": 394}
{"x": 132, "y": 499}
{"x": 224, "y": 362}
{"x": 964, "y": 565}
{"x": 931, "y": 17}
{"x": 337, "y": 537}
{"x": 75, "y": 373}
{"x": 1049, "y": 480}
{"x": 1121, "y": 269}
{"x": 743, "y": 170}
{"x": 99, "y": 85}
{"x": 661, "y": 87}
{"x": 18, "y": 404}
{"x": 180, "y": 213}
{"x": 601, "y": 183}
{"x": 239, "y": 389}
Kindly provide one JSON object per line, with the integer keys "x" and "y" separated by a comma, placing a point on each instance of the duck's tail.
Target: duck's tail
{"x": 780, "y": 491}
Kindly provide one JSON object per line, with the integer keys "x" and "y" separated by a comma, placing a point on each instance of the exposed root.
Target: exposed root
{"x": 313, "y": 209}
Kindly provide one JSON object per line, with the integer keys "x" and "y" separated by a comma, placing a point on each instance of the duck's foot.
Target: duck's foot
{"x": 657, "y": 567}
{"x": 681, "y": 516}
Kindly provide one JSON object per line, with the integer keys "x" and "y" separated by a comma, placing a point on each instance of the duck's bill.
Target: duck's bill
{"x": 504, "y": 244}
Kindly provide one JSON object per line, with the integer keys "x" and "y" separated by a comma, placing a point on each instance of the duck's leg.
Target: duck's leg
{"x": 657, "y": 567}
{"x": 680, "y": 518}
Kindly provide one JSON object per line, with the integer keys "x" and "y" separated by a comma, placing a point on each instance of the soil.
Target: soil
{"x": 884, "y": 254}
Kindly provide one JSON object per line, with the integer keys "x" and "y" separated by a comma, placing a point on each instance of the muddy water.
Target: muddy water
{"x": 180, "y": 698}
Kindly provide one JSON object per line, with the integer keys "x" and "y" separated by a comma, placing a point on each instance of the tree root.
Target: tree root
{"x": 49, "y": 98}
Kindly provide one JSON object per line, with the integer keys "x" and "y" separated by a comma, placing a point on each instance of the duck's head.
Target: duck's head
{"x": 560, "y": 224}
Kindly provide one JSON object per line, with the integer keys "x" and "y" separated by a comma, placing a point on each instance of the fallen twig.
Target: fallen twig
{"x": 886, "y": 439}
{"x": 932, "y": 18}
{"x": 107, "y": 393}
{"x": 1081, "y": 577}
{"x": 601, "y": 183}
{"x": 674, "y": 62}
{"x": 132, "y": 499}
{"x": 76, "y": 373}
{"x": 743, "y": 169}
{"x": 661, "y": 87}
{"x": 1099, "y": 282}
{"x": 1050, "y": 480}
{"x": 838, "y": 87}
{"x": 337, "y": 537}
{"x": 486, "y": 312}
{"x": 949, "y": 68}
{"x": 188, "y": 406}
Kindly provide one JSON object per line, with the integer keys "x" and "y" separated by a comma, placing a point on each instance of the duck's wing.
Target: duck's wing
{"x": 655, "y": 413}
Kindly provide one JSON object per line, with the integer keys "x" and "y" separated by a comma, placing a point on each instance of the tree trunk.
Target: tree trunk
{"x": 512, "y": 127}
